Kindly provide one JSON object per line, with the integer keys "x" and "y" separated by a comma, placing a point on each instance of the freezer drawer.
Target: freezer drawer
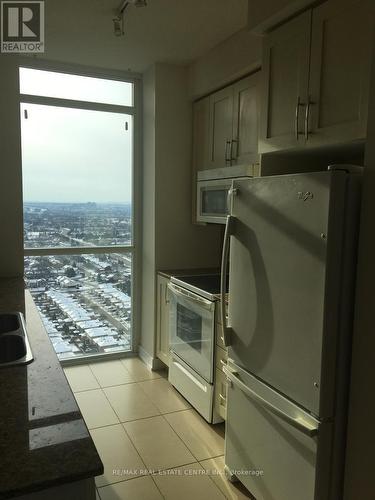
{"x": 277, "y": 450}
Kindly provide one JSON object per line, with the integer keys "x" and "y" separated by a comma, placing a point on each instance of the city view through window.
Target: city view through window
{"x": 78, "y": 216}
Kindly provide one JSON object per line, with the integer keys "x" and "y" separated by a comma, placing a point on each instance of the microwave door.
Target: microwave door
{"x": 212, "y": 201}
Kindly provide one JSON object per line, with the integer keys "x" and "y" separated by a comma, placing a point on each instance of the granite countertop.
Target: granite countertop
{"x": 44, "y": 440}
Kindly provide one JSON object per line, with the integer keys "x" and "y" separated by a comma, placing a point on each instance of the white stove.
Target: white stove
{"x": 193, "y": 301}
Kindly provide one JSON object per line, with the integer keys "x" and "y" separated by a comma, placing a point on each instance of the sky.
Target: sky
{"x": 73, "y": 155}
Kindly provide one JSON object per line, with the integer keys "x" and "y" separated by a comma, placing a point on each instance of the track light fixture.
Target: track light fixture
{"x": 118, "y": 21}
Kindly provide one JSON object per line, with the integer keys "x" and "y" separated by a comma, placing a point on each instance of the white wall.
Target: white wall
{"x": 179, "y": 243}
{"x": 11, "y": 218}
{"x": 360, "y": 461}
{"x": 170, "y": 240}
{"x": 231, "y": 59}
{"x": 148, "y": 209}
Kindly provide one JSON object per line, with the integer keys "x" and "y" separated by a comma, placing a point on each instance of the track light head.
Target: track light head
{"x": 118, "y": 26}
{"x": 118, "y": 21}
{"x": 139, "y": 3}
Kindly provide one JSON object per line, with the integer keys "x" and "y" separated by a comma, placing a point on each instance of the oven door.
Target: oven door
{"x": 192, "y": 329}
{"x": 212, "y": 200}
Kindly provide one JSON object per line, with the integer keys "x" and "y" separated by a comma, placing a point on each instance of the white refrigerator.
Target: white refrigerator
{"x": 291, "y": 242}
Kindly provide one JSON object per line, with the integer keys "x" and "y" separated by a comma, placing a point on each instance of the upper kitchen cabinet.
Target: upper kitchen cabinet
{"x": 225, "y": 131}
{"x": 285, "y": 71}
{"x": 221, "y": 127}
{"x": 340, "y": 71}
{"x": 244, "y": 145}
{"x": 316, "y": 77}
{"x": 201, "y": 124}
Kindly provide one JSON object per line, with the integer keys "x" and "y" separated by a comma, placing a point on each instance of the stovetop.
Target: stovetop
{"x": 202, "y": 284}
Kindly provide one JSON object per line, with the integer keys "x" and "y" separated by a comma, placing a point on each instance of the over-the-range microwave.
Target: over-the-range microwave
{"x": 212, "y": 191}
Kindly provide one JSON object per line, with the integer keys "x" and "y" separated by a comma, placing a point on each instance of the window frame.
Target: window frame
{"x": 135, "y": 248}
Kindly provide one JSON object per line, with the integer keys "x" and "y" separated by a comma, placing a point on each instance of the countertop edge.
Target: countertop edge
{"x": 13, "y": 296}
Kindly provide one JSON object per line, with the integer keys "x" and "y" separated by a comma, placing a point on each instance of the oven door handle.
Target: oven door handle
{"x": 206, "y": 304}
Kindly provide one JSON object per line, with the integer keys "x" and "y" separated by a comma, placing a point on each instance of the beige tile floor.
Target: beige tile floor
{"x": 152, "y": 443}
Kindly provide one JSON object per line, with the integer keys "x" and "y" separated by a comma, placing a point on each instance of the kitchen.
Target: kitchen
{"x": 250, "y": 100}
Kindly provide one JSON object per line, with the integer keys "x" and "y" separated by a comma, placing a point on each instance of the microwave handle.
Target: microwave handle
{"x": 227, "y": 330}
{"x": 231, "y": 192}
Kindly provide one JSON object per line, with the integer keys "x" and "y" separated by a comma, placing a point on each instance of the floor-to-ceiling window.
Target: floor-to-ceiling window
{"x": 78, "y": 157}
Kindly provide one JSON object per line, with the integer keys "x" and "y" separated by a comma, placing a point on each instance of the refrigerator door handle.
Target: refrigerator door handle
{"x": 227, "y": 330}
{"x": 299, "y": 423}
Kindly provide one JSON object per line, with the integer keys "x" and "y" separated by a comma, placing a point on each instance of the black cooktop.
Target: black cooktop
{"x": 208, "y": 282}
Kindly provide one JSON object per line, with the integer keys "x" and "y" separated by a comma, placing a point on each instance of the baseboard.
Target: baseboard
{"x": 150, "y": 361}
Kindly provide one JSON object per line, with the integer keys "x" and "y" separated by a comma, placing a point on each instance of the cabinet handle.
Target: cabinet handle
{"x": 307, "y": 116}
{"x": 233, "y": 158}
{"x": 296, "y": 119}
{"x": 228, "y": 143}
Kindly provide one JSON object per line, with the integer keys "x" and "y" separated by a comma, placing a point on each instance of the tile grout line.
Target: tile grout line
{"x": 180, "y": 438}
{"x": 203, "y": 467}
{"x": 105, "y": 395}
{"x": 127, "y": 421}
{"x": 122, "y": 425}
{"x": 185, "y": 465}
{"x": 106, "y": 387}
{"x": 162, "y": 470}
{"x": 138, "y": 454}
{"x": 189, "y": 409}
{"x": 168, "y": 468}
{"x": 96, "y": 378}
{"x": 213, "y": 458}
{"x": 165, "y": 413}
{"x": 127, "y": 481}
{"x": 157, "y": 487}
{"x": 93, "y": 374}
{"x": 153, "y": 475}
{"x": 109, "y": 386}
{"x": 143, "y": 380}
{"x": 144, "y": 418}
{"x": 102, "y": 389}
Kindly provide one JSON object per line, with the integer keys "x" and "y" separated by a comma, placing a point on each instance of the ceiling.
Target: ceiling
{"x": 174, "y": 31}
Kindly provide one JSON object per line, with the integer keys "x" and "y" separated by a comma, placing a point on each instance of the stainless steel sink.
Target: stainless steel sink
{"x": 14, "y": 344}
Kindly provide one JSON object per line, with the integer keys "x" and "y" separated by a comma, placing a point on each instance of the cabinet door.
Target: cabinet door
{"x": 162, "y": 328}
{"x": 201, "y": 118}
{"x": 221, "y": 119}
{"x": 244, "y": 148}
{"x": 340, "y": 70}
{"x": 285, "y": 73}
